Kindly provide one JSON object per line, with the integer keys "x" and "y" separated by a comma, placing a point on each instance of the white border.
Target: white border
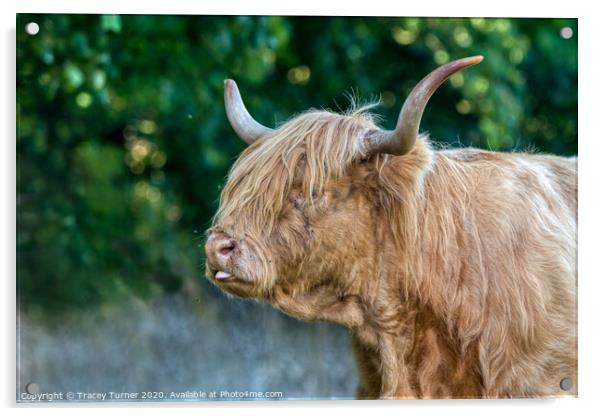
{"x": 590, "y": 209}
{"x": 507, "y": 8}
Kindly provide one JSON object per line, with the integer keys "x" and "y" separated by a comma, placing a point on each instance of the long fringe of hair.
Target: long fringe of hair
{"x": 309, "y": 151}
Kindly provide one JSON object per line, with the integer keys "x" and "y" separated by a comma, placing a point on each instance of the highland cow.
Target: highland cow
{"x": 455, "y": 270}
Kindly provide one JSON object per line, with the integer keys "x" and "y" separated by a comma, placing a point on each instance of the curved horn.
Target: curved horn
{"x": 401, "y": 140}
{"x": 241, "y": 121}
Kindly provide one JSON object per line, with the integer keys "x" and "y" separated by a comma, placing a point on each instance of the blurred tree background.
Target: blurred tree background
{"x": 123, "y": 143}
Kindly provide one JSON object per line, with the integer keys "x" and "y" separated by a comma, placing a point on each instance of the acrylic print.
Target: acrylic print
{"x": 280, "y": 208}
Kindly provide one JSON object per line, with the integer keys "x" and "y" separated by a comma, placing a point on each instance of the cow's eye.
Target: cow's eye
{"x": 297, "y": 199}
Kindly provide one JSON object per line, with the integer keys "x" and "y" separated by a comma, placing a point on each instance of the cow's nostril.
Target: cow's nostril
{"x": 227, "y": 248}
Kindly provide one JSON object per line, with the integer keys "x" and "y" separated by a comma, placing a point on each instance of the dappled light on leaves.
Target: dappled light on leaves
{"x": 123, "y": 142}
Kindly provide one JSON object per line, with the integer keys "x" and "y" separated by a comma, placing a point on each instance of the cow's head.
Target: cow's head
{"x": 298, "y": 212}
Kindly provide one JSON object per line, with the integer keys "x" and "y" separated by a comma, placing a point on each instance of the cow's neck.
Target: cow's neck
{"x": 405, "y": 338}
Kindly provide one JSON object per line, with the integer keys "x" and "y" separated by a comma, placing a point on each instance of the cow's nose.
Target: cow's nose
{"x": 220, "y": 247}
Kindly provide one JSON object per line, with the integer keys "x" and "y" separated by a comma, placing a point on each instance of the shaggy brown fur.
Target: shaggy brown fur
{"x": 455, "y": 269}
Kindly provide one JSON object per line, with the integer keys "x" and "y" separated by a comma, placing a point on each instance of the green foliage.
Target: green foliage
{"x": 122, "y": 141}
